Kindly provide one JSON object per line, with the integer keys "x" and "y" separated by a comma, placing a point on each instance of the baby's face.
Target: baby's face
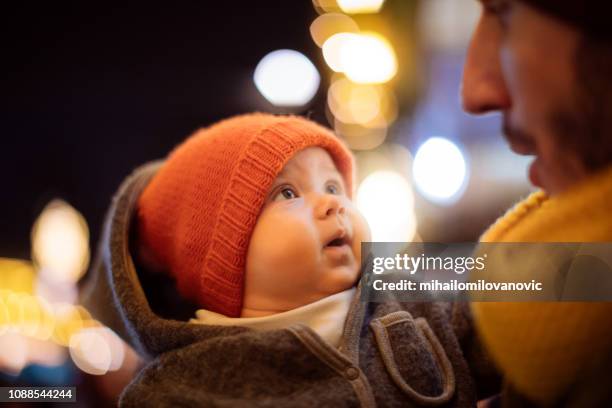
{"x": 306, "y": 244}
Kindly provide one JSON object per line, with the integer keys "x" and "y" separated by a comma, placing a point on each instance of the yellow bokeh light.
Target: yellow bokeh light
{"x": 326, "y": 6}
{"x": 68, "y": 321}
{"x": 47, "y": 321}
{"x": 32, "y": 315}
{"x": 329, "y": 24}
{"x": 369, "y": 58}
{"x": 359, "y": 137}
{"x": 334, "y": 48}
{"x": 364, "y": 104}
{"x": 363, "y": 58}
{"x": 4, "y": 316}
{"x": 12, "y": 302}
{"x": 17, "y": 275}
{"x": 60, "y": 242}
{"x": 361, "y": 112}
{"x": 33, "y": 331}
{"x": 353, "y": 103}
{"x": 360, "y": 6}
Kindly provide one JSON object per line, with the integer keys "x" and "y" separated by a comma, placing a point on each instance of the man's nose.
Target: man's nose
{"x": 328, "y": 205}
{"x": 483, "y": 87}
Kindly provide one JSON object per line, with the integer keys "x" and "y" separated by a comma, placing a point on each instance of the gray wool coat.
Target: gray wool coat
{"x": 391, "y": 354}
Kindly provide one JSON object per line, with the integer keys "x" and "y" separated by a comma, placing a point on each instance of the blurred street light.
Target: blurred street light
{"x": 360, "y": 6}
{"x": 439, "y": 170}
{"x": 329, "y": 24}
{"x": 287, "y": 78}
{"x": 386, "y": 200}
{"x": 60, "y": 242}
{"x": 363, "y": 57}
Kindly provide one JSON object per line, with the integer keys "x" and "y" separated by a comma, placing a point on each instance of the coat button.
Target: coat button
{"x": 351, "y": 373}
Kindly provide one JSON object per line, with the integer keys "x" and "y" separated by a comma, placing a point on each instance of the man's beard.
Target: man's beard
{"x": 581, "y": 127}
{"x": 583, "y": 132}
{"x": 587, "y": 129}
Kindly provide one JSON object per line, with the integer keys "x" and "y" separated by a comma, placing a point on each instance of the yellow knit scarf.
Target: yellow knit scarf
{"x": 544, "y": 348}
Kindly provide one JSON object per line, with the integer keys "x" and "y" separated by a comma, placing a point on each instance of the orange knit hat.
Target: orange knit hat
{"x": 198, "y": 212}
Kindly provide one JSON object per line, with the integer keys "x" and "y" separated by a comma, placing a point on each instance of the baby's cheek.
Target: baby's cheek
{"x": 361, "y": 233}
{"x": 284, "y": 241}
{"x": 298, "y": 248}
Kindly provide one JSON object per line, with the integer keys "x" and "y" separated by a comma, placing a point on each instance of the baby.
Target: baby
{"x": 252, "y": 219}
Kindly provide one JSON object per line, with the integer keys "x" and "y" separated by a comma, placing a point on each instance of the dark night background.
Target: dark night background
{"x": 89, "y": 92}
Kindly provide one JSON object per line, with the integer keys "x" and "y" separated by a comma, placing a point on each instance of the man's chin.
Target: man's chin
{"x": 519, "y": 141}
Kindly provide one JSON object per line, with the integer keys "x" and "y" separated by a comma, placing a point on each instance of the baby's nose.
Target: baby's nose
{"x": 329, "y": 204}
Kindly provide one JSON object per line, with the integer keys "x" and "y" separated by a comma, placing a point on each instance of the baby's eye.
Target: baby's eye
{"x": 287, "y": 193}
{"x": 332, "y": 188}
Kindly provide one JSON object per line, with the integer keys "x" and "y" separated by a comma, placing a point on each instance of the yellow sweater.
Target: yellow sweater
{"x": 543, "y": 348}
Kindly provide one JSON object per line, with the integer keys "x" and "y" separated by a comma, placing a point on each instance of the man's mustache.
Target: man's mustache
{"x": 517, "y": 137}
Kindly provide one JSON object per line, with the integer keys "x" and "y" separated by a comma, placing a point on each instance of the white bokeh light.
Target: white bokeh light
{"x": 360, "y": 6}
{"x": 386, "y": 200}
{"x": 287, "y": 78}
{"x": 96, "y": 350}
{"x": 439, "y": 170}
{"x": 447, "y": 24}
{"x": 60, "y": 242}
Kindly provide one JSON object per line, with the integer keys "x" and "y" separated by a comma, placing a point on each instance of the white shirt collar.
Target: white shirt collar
{"x": 325, "y": 316}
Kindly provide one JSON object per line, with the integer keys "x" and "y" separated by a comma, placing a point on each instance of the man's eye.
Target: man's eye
{"x": 501, "y": 8}
{"x": 287, "y": 193}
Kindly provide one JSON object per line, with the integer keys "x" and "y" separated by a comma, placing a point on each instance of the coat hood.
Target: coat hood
{"x": 141, "y": 306}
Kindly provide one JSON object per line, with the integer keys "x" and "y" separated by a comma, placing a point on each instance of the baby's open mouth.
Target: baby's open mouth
{"x": 339, "y": 239}
{"x": 337, "y": 242}
{"x": 338, "y": 248}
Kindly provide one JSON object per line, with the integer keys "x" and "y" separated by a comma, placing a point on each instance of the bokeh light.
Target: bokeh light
{"x": 369, "y": 105}
{"x": 448, "y": 24}
{"x": 387, "y": 202}
{"x": 287, "y": 78}
{"x": 439, "y": 170}
{"x": 4, "y": 317}
{"x": 17, "y": 275}
{"x": 359, "y": 137}
{"x": 333, "y": 49}
{"x": 360, "y": 6}
{"x": 326, "y": 6}
{"x": 60, "y": 242}
{"x": 329, "y": 24}
{"x": 90, "y": 351}
{"x": 363, "y": 57}
{"x": 13, "y": 353}
{"x": 354, "y": 103}
{"x": 97, "y": 350}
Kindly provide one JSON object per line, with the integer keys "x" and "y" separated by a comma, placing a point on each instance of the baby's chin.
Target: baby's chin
{"x": 339, "y": 279}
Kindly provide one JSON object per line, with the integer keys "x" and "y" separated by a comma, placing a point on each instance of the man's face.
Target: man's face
{"x": 521, "y": 62}
{"x": 306, "y": 244}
